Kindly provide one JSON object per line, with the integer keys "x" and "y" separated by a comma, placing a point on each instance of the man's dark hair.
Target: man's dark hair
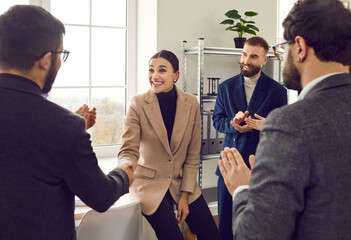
{"x": 325, "y": 25}
{"x": 27, "y": 32}
{"x": 170, "y": 57}
{"x": 258, "y": 41}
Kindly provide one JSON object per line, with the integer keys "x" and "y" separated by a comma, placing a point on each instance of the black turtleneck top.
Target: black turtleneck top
{"x": 168, "y": 105}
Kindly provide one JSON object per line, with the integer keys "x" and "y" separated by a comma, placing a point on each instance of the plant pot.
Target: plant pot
{"x": 239, "y": 42}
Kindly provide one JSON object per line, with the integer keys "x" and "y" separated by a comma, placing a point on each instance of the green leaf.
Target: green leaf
{"x": 233, "y": 11}
{"x": 230, "y": 29}
{"x": 238, "y": 24}
{"x": 253, "y": 27}
{"x": 233, "y": 14}
{"x": 250, "y": 13}
{"x": 251, "y": 32}
{"x": 248, "y": 21}
{"x": 227, "y": 21}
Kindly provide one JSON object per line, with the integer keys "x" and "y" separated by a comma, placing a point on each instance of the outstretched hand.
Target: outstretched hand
{"x": 234, "y": 170}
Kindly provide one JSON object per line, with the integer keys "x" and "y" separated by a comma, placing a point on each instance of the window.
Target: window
{"x": 100, "y": 35}
{"x": 347, "y": 3}
{"x": 284, "y": 7}
{"x": 6, "y": 4}
{"x": 95, "y": 73}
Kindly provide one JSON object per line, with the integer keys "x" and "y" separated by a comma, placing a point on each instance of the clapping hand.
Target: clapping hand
{"x": 88, "y": 115}
{"x": 234, "y": 170}
{"x": 255, "y": 123}
{"x": 238, "y": 119}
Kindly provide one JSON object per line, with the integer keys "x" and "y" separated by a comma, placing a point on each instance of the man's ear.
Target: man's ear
{"x": 45, "y": 61}
{"x": 265, "y": 60}
{"x": 301, "y": 48}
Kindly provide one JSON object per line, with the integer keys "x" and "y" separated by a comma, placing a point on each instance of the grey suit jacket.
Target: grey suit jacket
{"x": 301, "y": 183}
{"x": 45, "y": 159}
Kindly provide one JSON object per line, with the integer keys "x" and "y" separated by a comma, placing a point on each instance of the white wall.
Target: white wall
{"x": 146, "y": 40}
{"x": 190, "y": 19}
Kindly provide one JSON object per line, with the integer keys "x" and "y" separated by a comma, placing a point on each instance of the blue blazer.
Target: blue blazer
{"x": 268, "y": 95}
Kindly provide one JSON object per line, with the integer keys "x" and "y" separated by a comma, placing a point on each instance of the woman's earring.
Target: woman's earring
{"x": 298, "y": 59}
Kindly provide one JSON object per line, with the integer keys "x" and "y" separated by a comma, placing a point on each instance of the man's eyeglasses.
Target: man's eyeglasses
{"x": 64, "y": 54}
{"x": 278, "y": 49}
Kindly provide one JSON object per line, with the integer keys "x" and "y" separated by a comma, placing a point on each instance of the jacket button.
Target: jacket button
{"x": 169, "y": 178}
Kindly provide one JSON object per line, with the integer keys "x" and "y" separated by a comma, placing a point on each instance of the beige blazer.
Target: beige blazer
{"x": 158, "y": 165}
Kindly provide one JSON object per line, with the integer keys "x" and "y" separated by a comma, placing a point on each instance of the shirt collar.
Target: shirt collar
{"x": 313, "y": 83}
{"x": 251, "y": 80}
{"x": 19, "y": 83}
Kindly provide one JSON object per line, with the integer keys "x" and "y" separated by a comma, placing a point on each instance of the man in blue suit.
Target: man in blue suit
{"x": 250, "y": 94}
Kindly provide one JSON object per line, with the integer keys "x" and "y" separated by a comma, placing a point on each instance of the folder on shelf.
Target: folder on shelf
{"x": 204, "y": 144}
{"x": 220, "y": 141}
{"x": 213, "y": 144}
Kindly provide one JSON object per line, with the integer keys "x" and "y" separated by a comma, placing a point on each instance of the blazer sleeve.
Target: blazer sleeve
{"x": 84, "y": 177}
{"x": 275, "y": 198}
{"x": 221, "y": 122}
{"x": 129, "y": 151}
{"x": 283, "y": 99}
{"x": 192, "y": 161}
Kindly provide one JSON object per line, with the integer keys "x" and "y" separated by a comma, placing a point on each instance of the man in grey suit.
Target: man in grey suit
{"x": 46, "y": 156}
{"x": 300, "y": 186}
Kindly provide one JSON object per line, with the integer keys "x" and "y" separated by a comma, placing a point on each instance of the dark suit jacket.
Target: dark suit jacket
{"x": 301, "y": 183}
{"x": 45, "y": 159}
{"x": 268, "y": 95}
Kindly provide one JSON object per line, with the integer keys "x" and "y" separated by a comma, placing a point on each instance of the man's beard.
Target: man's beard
{"x": 291, "y": 76}
{"x": 253, "y": 70}
{"x": 50, "y": 77}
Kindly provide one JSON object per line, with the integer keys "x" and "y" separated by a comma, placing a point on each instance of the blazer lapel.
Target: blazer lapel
{"x": 153, "y": 113}
{"x": 259, "y": 94}
{"x": 181, "y": 120}
{"x": 239, "y": 95}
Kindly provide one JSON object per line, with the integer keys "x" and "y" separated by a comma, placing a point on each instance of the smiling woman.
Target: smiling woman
{"x": 163, "y": 73}
{"x": 162, "y": 139}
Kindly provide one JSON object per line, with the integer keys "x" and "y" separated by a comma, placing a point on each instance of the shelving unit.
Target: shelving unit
{"x": 200, "y": 51}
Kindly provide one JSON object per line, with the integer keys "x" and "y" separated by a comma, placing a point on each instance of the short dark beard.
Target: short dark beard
{"x": 51, "y": 76}
{"x": 291, "y": 76}
{"x": 249, "y": 73}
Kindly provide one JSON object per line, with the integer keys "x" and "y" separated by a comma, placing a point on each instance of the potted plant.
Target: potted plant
{"x": 240, "y": 25}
